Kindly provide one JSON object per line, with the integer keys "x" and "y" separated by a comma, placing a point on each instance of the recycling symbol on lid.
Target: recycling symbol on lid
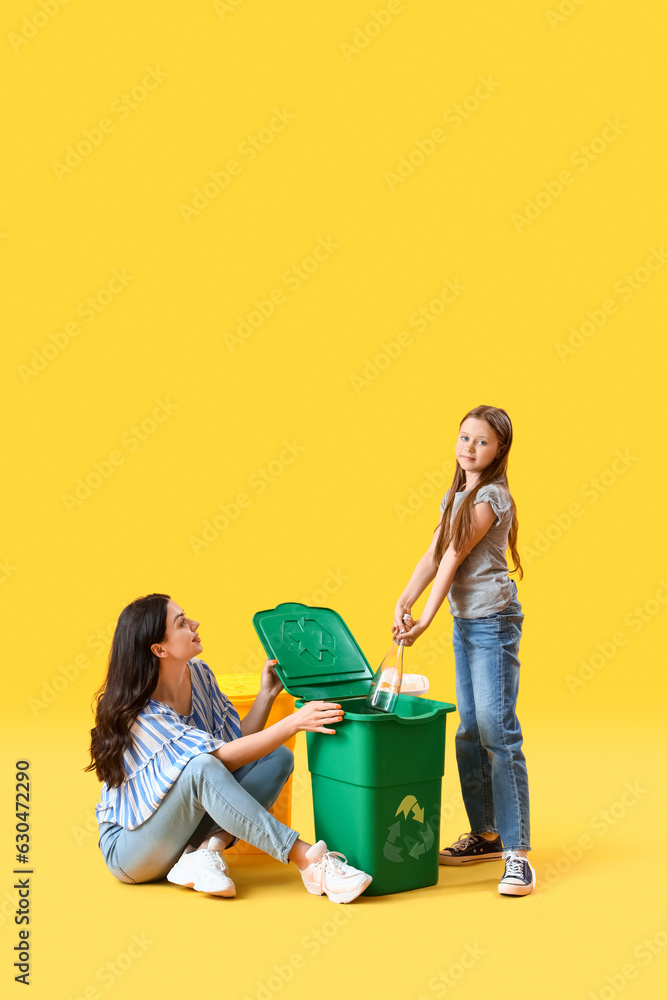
{"x": 314, "y": 644}
{"x": 413, "y": 836}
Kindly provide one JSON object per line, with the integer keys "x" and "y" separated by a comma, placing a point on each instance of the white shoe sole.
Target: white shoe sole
{"x": 338, "y": 897}
{"x": 517, "y": 890}
{"x": 176, "y": 879}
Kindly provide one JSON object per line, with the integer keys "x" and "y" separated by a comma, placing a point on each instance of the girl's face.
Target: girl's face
{"x": 477, "y": 445}
{"x": 181, "y": 640}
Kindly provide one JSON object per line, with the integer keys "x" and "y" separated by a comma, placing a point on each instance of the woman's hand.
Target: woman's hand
{"x": 270, "y": 684}
{"x": 412, "y": 632}
{"x": 315, "y": 716}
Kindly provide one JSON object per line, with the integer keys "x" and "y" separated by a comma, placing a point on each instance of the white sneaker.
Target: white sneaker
{"x": 204, "y": 871}
{"x": 328, "y": 873}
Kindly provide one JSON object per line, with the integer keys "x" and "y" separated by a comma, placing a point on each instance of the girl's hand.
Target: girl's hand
{"x": 315, "y": 716}
{"x": 270, "y": 684}
{"x": 412, "y": 633}
{"x": 402, "y": 618}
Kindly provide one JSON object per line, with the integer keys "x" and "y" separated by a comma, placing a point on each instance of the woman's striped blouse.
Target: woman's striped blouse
{"x": 162, "y": 743}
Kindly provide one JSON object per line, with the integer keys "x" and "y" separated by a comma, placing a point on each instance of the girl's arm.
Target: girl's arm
{"x": 313, "y": 717}
{"x": 423, "y": 573}
{"x": 483, "y": 517}
{"x": 269, "y": 689}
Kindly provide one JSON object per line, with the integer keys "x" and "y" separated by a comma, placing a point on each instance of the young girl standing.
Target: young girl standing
{"x": 467, "y": 563}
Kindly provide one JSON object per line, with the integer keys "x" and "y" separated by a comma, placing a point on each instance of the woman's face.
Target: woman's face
{"x": 477, "y": 445}
{"x": 181, "y": 639}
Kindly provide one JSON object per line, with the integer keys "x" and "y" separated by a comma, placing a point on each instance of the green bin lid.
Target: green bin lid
{"x": 318, "y": 657}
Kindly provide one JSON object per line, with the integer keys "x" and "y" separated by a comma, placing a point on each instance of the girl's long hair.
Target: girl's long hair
{"x": 132, "y": 677}
{"x": 460, "y": 533}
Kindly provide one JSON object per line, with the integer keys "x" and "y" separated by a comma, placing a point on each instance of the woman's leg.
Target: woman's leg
{"x": 492, "y": 646}
{"x": 204, "y": 786}
{"x": 264, "y": 779}
{"x": 471, "y": 755}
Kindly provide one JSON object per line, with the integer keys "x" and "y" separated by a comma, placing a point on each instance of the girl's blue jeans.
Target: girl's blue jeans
{"x": 492, "y": 766}
{"x": 204, "y": 799}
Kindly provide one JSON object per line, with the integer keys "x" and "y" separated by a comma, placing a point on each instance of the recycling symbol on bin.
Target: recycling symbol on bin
{"x": 314, "y": 643}
{"x": 416, "y": 839}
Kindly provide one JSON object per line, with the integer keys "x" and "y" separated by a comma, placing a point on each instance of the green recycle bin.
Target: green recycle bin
{"x": 377, "y": 782}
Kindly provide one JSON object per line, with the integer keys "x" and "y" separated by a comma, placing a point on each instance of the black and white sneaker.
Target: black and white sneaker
{"x": 519, "y": 877}
{"x": 470, "y": 847}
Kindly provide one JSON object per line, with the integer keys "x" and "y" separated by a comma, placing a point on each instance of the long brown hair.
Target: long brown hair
{"x": 132, "y": 677}
{"x": 461, "y": 532}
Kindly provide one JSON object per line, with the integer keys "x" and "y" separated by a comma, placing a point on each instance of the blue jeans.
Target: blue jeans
{"x": 204, "y": 799}
{"x": 492, "y": 767}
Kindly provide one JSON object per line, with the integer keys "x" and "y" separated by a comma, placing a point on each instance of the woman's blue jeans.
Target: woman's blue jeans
{"x": 492, "y": 766}
{"x": 204, "y": 799}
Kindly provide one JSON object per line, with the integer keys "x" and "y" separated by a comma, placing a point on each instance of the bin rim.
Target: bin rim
{"x": 440, "y": 708}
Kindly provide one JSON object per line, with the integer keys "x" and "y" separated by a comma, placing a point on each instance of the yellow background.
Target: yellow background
{"x": 333, "y": 518}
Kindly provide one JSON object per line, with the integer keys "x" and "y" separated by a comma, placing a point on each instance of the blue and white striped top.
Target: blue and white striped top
{"x": 162, "y": 743}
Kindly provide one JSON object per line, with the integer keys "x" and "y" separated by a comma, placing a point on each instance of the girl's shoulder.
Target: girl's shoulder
{"x": 497, "y": 490}
{"x": 498, "y": 496}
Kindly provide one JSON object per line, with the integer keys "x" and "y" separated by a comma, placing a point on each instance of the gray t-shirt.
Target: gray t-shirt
{"x": 481, "y": 585}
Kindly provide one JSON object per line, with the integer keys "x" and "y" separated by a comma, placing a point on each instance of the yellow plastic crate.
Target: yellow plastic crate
{"x": 241, "y": 689}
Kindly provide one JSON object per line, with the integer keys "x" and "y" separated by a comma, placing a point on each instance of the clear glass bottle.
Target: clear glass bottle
{"x": 386, "y": 684}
